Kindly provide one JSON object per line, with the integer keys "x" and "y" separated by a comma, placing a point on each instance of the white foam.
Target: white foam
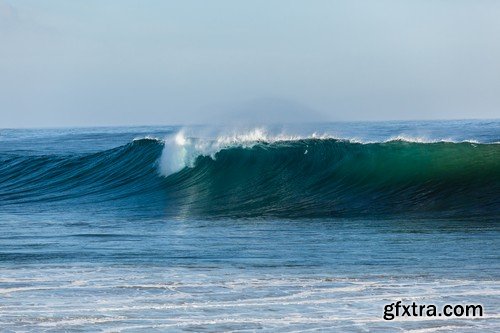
{"x": 178, "y": 152}
{"x": 123, "y": 298}
{"x": 422, "y": 139}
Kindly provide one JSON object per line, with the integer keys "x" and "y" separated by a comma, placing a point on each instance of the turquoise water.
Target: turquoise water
{"x": 296, "y": 228}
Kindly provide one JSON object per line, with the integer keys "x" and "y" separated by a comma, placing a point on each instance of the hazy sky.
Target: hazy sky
{"x": 124, "y": 62}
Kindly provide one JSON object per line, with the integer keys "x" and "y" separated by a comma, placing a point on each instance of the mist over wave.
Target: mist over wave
{"x": 255, "y": 174}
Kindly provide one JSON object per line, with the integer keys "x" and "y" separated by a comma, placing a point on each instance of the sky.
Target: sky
{"x": 123, "y": 62}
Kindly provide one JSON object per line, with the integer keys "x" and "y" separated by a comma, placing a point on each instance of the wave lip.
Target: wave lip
{"x": 258, "y": 175}
{"x": 181, "y": 151}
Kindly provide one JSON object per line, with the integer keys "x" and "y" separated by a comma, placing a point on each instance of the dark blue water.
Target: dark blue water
{"x": 283, "y": 228}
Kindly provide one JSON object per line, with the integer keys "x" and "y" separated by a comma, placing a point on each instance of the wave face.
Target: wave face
{"x": 283, "y": 178}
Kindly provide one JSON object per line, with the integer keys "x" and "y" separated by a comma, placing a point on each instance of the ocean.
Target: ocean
{"x": 278, "y": 228}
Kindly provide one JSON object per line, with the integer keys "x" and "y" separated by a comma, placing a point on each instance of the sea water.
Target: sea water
{"x": 279, "y": 228}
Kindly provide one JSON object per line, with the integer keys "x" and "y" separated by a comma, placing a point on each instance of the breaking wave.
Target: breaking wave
{"x": 255, "y": 175}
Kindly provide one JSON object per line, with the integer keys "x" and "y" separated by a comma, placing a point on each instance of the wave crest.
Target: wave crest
{"x": 261, "y": 175}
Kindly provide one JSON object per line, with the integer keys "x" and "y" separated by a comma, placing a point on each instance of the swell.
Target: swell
{"x": 117, "y": 173}
{"x": 289, "y": 178}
